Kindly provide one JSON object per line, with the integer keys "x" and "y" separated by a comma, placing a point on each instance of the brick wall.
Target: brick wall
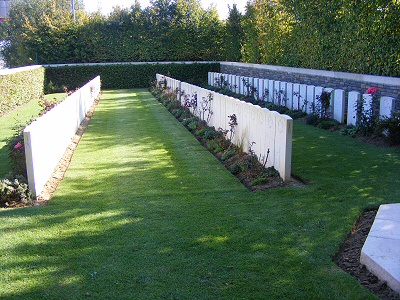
{"x": 388, "y": 86}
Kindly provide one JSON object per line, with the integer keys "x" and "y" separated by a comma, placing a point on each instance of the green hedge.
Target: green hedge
{"x": 20, "y": 87}
{"x": 122, "y": 76}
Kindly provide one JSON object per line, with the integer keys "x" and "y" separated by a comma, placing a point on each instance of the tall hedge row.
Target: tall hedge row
{"x": 122, "y": 76}
{"x": 355, "y": 36}
{"x": 20, "y": 86}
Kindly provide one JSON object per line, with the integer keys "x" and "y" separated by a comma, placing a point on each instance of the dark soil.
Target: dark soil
{"x": 247, "y": 177}
{"x": 348, "y": 257}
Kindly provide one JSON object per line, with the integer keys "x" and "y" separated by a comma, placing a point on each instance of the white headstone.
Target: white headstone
{"x": 354, "y": 98}
{"x": 277, "y": 87}
{"x": 282, "y": 92}
{"x": 260, "y": 88}
{"x": 296, "y": 96}
{"x": 318, "y": 93}
{"x": 270, "y": 133}
{"x": 386, "y": 106}
{"x": 367, "y": 105}
{"x": 303, "y": 97}
{"x": 283, "y": 146}
{"x": 339, "y": 106}
{"x": 232, "y": 82}
{"x": 271, "y": 94}
{"x": 310, "y": 98}
{"x": 265, "y": 91}
{"x": 256, "y": 87}
{"x": 237, "y": 87}
{"x": 289, "y": 95}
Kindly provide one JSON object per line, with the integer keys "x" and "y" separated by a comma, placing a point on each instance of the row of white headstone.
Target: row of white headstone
{"x": 268, "y": 133}
{"x": 47, "y": 138}
{"x": 297, "y": 96}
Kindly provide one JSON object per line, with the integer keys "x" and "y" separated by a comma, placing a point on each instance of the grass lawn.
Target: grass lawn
{"x": 19, "y": 116}
{"x": 145, "y": 212}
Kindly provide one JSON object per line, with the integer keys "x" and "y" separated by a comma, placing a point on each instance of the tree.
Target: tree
{"x": 234, "y": 35}
{"x": 33, "y": 29}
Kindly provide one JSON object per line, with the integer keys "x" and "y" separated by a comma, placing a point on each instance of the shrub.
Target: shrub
{"x": 20, "y": 87}
{"x": 312, "y": 119}
{"x": 259, "y": 180}
{"x": 349, "y": 130}
{"x": 14, "y": 189}
{"x": 228, "y": 154}
{"x": 210, "y": 133}
{"x": 122, "y": 76}
{"x": 390, "y": 127}
{"x": 237, "y": 168}
{"x": 328, "y": 124}
{"x": 177, "y": 113}
{"x": 296, "y": 114}
{"x": 173, "y": 104}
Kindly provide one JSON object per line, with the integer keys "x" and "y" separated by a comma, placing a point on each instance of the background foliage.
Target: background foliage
{"x": 343, "y": 35}
{"x": 122, "y": 76}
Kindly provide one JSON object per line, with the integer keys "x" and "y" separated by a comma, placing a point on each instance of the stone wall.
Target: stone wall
{"x": 388, "y": 86}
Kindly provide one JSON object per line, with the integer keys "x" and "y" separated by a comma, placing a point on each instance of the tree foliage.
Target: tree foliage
{"x": 342, "y": 35}
{"x": 234, "y": 35}
{"x": 44, "y": 32}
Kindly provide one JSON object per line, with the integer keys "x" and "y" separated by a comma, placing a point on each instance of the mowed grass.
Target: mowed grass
{"x": 145, "y": 212}
{"x": 18, "y": 116}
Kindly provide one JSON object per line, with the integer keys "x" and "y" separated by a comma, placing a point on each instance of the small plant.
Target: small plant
{"x": 221, "y": 82}
{"x": 232, "y": 127}
{"x": 190, "y": 101}
{"x": 228, "y": 154}
{"x": 349, "y": 130}
{"x": 264, "y": 159}
{"x": 206, "y": 112}
{"x": 46, "y": 105}
{"x": 328, "y": 124}
{"x": 265, "y": 95}
{"x": 259, "y": 180}
{"x": 162, "y": 84}
{"x": 16, "y": 149}
{"x": 367, "y": 118}
{"x": 252, "y": 158}
{"x": 312, "y": 119}
{"x": 302, "y": 105}
{"x": 250, "y": 90}
{"x": 69, "y": 92}
{"x": 323, "y": 104}
{"x": 237, "y": 168}
{"x": 280, "y": 99}
{"x": 173, "y": 104}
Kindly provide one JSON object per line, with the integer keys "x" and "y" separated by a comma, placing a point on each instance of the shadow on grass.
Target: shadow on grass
{"x": 145, "y": 212}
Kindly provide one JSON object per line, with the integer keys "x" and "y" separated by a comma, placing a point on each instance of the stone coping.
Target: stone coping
{"x": 17, "y": 70}
{"x": 395, "y": 81}
{"x": 381, "y": 251}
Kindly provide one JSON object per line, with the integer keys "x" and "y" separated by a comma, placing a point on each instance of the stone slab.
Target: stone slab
{"x": 381, "y": 250}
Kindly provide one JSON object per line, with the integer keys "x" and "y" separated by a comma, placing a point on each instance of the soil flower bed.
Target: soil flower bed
{"x": 246, "y": 166}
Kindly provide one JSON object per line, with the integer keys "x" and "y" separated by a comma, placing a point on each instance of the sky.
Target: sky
{"x": 107, "y": 5}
